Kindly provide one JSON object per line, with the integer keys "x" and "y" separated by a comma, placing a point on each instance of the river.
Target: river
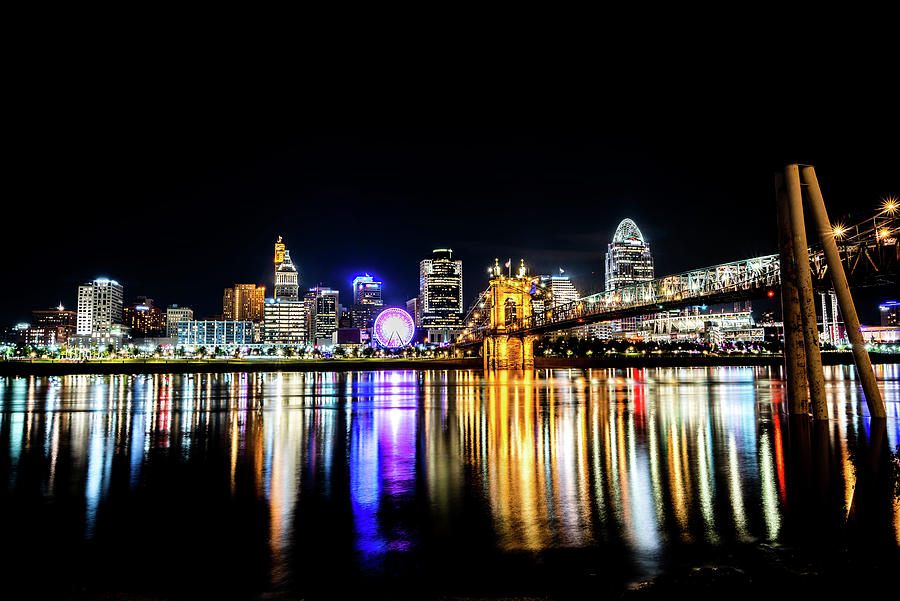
{"x": 418, "y": 484}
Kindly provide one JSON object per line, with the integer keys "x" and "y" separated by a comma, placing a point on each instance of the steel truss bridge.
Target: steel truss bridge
{"x": 870, "y": 255}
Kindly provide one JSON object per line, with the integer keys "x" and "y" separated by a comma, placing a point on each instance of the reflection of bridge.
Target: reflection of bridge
{"x": 504, "y": 320}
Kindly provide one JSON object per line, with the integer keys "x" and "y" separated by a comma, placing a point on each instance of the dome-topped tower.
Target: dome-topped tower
{"x": 287, "y": 280}
{"x": 628, "y": 232}
{"x": 628, "y": 262}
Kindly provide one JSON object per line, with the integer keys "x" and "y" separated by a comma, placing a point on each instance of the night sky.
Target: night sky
{"x": 177, "y": 182}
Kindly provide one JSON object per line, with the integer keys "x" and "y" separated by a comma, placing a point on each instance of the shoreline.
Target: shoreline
{"x": 182, "y": 366}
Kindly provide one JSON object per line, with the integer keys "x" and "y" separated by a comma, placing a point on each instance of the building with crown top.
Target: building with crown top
{"x": 287, "y": 279}
{"x": 628, "y": 261}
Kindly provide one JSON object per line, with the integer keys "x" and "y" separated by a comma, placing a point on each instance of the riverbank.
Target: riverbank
{"x": 192, "y": 366}
{"x": 748, "y": 360}
{"x": 41, "y": 367}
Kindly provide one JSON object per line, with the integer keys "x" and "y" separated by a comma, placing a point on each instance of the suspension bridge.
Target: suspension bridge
{"x": 505, "y": 321}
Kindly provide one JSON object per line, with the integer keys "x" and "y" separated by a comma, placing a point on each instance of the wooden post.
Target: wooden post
{"x": 814, "y": 372}
{"x": 842, "y": 290}
{"x": 794, "y": 351}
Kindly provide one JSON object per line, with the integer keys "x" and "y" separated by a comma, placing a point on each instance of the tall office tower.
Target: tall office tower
{"x": 99, "y": 306}
{"x": 244, "y": 302}
{"x": 562, "y": 290}
{"x": 628, "y": 261}
{"x": 325, "y": 310}
{"x": 51, "y": 326}
{"x": 284, "y": 322}
{"x": 143, "y": 318}
{"x": 174, "y": 314}
{"x": 441, "y": 295}
{"x": 367, "y": 290}
{"x": 287, "y": 280}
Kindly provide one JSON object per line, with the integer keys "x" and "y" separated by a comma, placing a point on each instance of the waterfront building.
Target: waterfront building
{"x": 99, "y": 307}
{"x": 150, "y": 344}
{"x": 174, "y": 314}
{"x": 243, "y": 302}
{"x": 309, "y": 302}
{"x": 890, "y": 313}
{"x": 324, "y": 306}
{"x": 211, "y": 334}
{"x": 695, "y": 326}
{"x": 284, "y": 322}
{"x": 144, "y": 319}
{"x": 51, "y": 326}
{"x": 628, "y": 261}
{"x": 880, "y": 334}
{"x": 287, "y": 279}
{"x": 441, "y": 295}
{"x": 367, "y": 290}
{"x": 414, "y": 308}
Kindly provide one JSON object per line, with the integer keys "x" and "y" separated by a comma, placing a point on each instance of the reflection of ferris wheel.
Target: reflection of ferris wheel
{"x": 394, "y": 328}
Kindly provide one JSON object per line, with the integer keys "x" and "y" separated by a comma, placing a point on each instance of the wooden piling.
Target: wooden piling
{"x": 794, "y": 350}
{"x": 842, "y": 290}
{"x": 814, "y": 373}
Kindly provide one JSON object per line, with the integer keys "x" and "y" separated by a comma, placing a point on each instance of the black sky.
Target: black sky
{"x": 175, "y": 177}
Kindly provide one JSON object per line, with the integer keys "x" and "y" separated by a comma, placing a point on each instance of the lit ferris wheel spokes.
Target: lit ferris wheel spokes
{"x": 394, "y": 328}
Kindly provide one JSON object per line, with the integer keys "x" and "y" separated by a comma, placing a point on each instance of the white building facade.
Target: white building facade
{"x": 174, "y": 314}
{"x": 99, "y": 306}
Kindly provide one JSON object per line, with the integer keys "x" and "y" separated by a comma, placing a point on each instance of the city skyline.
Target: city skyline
{"x": 550, "y": 194}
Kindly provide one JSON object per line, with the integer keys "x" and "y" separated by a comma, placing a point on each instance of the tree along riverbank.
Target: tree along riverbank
{"x": 43, "y": 367}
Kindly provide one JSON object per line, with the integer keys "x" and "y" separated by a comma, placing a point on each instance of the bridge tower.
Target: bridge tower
{"x": 510, "y": 299}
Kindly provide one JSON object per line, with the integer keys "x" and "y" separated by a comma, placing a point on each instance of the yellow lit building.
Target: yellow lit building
{"x": 244, "y": 302}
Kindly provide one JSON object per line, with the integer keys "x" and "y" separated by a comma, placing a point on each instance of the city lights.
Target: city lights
{"x": 394, "y": 328}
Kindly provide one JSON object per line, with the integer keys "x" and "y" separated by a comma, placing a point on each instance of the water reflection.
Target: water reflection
{"x": 365, "y": 468}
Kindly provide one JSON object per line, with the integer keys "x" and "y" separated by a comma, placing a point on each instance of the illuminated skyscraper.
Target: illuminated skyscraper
{"x": 366, "y": 290}
{"x": 323, "y": 312}
{"x": 284, "y": 322}
{"x": 441, "y": 295}
{"x": 99, "y": 306}
{"x": 562, "y": 290}
{"x": 287, "y": 280}
{"x": 367, "y": 302}
{"x": 244, "y": 302}
{"x": 628, "y": 261}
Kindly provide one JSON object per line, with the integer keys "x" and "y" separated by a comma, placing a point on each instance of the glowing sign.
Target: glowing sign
{"x": 394, "y": 328}
{"x": 279, "y": 252}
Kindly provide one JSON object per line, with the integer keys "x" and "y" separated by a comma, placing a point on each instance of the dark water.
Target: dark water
{"x": 422, "y": 484}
